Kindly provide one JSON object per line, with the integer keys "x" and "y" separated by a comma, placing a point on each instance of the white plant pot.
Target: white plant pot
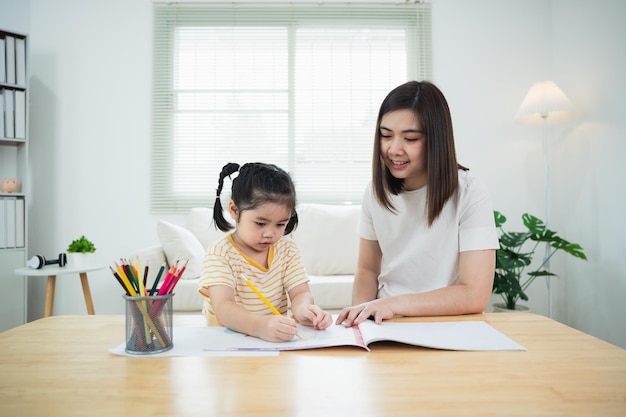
{"x": 501, "y": 308}
{"x": 80, "y": 260}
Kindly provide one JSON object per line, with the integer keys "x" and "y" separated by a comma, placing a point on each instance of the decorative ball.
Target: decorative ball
{"x": 8, "y": 185}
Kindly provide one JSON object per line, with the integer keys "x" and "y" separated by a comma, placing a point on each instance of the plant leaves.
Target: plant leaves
{"x": 513, "y": 239}
{"x": 510, "y": 278}
{"x": 543, "y": 273}
{"x": 534, "y": 225}
{"x": 507, "y": 259}
{"x": 499, "y": 218}
{"x": 573, "y": 249}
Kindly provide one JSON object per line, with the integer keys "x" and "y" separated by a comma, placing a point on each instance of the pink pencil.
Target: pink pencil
{"x": 176, "y": 277}
{"x": 166, "y": 283}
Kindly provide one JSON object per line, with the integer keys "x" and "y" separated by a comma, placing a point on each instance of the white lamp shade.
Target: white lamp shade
{"x": 546, "y": 103}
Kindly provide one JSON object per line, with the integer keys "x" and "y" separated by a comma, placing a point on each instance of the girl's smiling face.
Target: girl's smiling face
{"x": 403, "y": 147}
{"x": 259, "y": 228}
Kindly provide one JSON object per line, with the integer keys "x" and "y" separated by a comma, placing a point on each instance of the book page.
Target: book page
{"x": 335, "y": 335}
{"x": 459, "y": 335}
{"x": 462, "y": 335}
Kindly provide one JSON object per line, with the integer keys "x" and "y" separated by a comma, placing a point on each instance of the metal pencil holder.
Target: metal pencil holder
{"x": 149, "y": 324}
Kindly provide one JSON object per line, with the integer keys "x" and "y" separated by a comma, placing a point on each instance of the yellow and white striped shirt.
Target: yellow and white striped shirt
{"x": 225, "y": 264}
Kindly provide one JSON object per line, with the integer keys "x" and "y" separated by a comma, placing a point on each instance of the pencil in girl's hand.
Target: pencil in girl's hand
{"x": 262, "y": 297}
{"x": 265, "y": 300}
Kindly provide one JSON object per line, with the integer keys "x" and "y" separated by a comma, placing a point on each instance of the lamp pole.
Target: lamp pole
{"x": 546, "y": 169}
{"x": 545, "y": 99}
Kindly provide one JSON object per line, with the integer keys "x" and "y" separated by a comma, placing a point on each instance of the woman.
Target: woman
{"x": 428, "y": 237}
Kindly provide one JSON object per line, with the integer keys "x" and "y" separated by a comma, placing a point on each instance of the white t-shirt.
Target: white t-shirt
{"x": 417, "y": 258}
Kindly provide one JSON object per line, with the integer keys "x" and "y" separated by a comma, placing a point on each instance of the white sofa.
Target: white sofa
{"x": 326, "y": 235}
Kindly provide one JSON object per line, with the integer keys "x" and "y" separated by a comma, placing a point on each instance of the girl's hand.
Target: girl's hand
{"x": 278, "y": 328}
{"x": 376, "y": 309}
{"x": 312, "y": 315}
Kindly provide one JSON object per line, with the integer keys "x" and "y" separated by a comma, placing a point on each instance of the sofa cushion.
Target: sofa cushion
{"x": 332, "y": 292}
{"x": 200, "y": 223}
{"x": 154, "y": 257}
{"x": 186, "y": 296}
{"x": 328, "y": 238}
{"x": 323, "y": 232}
{"x": 179, "y": 244}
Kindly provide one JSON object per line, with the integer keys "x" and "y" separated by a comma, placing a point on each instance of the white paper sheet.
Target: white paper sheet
{"x": 190, "y": 341}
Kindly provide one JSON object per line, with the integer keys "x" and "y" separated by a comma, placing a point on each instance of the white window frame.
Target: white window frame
{"x": 343, "y": 186}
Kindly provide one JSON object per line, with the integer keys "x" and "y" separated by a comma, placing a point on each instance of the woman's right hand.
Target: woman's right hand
{"x": 378, "y": 310}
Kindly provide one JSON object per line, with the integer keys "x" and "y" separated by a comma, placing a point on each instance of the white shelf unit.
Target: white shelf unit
{"x": 13, "y": 164}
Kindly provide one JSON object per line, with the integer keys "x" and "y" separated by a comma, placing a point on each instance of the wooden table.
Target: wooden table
{"x": 61, "y": 366}
{"x": 51, "y": 272}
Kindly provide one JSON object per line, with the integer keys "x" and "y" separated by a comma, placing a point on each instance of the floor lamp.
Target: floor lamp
{"x": 545, "y": 104}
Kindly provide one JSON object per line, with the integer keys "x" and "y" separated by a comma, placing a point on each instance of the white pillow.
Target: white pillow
{"x": 180, "y": 244}
{"x": 328, "y": 238}
{"x": 200, "y": 223}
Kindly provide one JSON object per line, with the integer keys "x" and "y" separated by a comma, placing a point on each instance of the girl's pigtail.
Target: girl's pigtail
{"x": 218, "y": 213}
{"x": 293, "y": 223}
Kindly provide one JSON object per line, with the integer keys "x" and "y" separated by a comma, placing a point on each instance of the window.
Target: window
{"x": 294, "y": 84}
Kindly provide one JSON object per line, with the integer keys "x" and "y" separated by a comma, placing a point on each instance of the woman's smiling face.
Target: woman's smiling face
{"x": 403, "y": 147}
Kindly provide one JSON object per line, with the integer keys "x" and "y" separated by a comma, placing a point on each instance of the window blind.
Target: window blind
{"x": 294, "y": 84}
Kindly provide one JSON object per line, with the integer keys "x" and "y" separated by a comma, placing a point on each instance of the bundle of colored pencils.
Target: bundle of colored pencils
{"x": 134, "y": 280}
{"x": 149, "y": 334}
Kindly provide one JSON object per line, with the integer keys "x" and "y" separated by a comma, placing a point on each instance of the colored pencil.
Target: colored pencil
{"x": 262, "y": 297}
{"x": 157, "y": 279}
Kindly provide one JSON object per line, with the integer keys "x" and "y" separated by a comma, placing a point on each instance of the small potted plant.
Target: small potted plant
{"x": 79, "y": 252}
{"x": 511, "y": 280}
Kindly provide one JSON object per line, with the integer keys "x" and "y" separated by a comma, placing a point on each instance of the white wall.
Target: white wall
{"x": 486, "y": 56}
{"x": 590, "y": 58}
{"x": 90, "y": 134}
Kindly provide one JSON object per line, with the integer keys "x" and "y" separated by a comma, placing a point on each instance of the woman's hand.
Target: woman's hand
{"x": 379, "y": 310}
{"x": 312, "y": 315}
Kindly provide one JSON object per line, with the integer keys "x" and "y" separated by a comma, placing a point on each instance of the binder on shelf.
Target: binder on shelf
{"x": 20, "y": 61}
{"x": 9, "y": 115}
{"x": 3, "y": 223}
{"x": 3, "y": 64}
{"x": 20, "y": 114}
{"x": 2, "y": 132}
{"x": 10, "y": 59}
{"x": 10, "y": 219}
{"x": 20, "y": 225}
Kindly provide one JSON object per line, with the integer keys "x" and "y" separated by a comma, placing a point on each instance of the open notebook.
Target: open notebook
{"x": 454, "y": 335}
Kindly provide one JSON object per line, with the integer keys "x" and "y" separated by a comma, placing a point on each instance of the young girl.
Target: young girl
{"x": 262, "y": 204}
{"x": 428, "y": 236}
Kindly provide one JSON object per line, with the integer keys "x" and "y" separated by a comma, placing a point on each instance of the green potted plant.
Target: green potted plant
{"x": 79, "y": 252}
{"x": 514, "y": 255}
{"x": 81, "y": 245}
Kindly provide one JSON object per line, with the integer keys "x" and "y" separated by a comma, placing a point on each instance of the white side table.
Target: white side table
{"x": 51, "y": 272}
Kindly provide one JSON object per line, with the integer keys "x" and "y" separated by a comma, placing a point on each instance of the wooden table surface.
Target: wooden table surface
{"x": 61, "y": 366}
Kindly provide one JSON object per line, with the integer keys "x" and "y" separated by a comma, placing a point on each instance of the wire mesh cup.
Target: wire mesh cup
{"x": 149, "y": 324}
